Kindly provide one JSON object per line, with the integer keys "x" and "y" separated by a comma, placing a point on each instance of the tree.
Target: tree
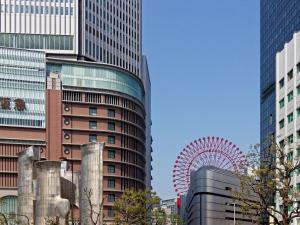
{"x": 175, "y": 219}
{"x": 95, "y": 212}
{"x": 159, "y": 217}
{"x": 267, "y": 188}
{"x": 134, "y": 207}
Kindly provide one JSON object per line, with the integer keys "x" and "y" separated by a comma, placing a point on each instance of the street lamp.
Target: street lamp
{"x": 232, "y": 204}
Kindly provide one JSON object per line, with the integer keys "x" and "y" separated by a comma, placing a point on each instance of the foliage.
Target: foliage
{"x": 134, "y": 207}
{"x": 175, "y": 219}
{"x": 159, "y": 217}
{"x": 270, "y": 177}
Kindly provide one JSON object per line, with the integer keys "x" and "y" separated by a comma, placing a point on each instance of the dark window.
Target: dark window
{"x": 93, "y": 111}
{"x": 111, "y": 126}
{"x": 111, "y": 169}
{"x": 111, "y": 183}
{"x": 290, "y": 75}
{"x": 110, "y": 212}
{"x": 111, "y": 140}
{"x": 92, "y": 138}
{"x": 111, "y": 154}
{"x": 281, "y": 83}
{"x": 111, "y": 197}
{"x": 93, "y": 125}
{"x": 111, "y": 113}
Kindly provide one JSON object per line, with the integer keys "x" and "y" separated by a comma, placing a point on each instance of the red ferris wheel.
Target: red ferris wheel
{"x": 207, "y": 151}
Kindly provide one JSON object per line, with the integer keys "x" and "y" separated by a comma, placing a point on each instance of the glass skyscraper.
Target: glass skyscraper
{"x": 279, "y": 20}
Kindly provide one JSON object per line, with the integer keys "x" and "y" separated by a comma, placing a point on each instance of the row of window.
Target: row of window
{"x": 37, "y": 41}
{"x": 290, "y": 97}
{"x": 110, "y": 112}
{"x": 110, "y": 125}
{"x": 290, "y": 118}
{"x": 110, "y": 139}
{"x": 47, "y": 10}
{"x": 290, "y": 76}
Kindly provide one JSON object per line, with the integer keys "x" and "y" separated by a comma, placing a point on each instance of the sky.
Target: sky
{"x": 203, "y": 57}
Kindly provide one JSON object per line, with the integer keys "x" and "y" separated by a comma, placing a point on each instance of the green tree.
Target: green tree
{"x": 159, "y": 217}
{"x": 135, "y": 207}
{"x": 268, "y": 182}
{"x": 175, "y": 219}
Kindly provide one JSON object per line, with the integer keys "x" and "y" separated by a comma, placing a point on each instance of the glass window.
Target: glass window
{"x": 111, "y": 169}
{"x": 298, "y": 90}
{"x": 290, "y": 75}
{"x": 111, "y": 198}
{"x": 111, "y": 126}
{"x": 110, "y": 212}
{"x": 290, "y": 156}
{"x": 92, "y": 138}
{"x": 111, "y": 183}
{"x": 92, "y": 111}
{"x": 291, "y": 139}
{"x": 281, "y": 103}
{"x": 298, "y": 152}
{"x": 290, "y": 96}
{"x": 298, "y": 112}
{"x": 111, "y": 140}
{"x": 111, "y": 113}
{"x": 290, "y": 118}
{"x": 281, "y": 123}
{"x": 111, "y": 154}
{"x": 93, "y": 125}
{"x": 281, "y": 83}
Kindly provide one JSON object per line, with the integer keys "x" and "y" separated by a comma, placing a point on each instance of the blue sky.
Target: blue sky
{"x": 203, "y": 57}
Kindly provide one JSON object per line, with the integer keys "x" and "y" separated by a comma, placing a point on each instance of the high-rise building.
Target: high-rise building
{"x": 288, "y": 106}
{"x": 100, "y": 30}
{"x": 279, "y": 20}
{"x": 72, "y": 72}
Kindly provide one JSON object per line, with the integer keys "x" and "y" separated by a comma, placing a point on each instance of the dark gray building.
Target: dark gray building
{"x": 279, "y": 20}
{"x": 209, "y": 200}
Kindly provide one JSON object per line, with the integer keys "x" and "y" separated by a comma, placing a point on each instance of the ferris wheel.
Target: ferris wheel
{"x": 206, "y": 151}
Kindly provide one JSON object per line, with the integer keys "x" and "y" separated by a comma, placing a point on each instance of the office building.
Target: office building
{"x": 60, "y": 104}
{"x": 288, "y": 103}
{"x": 209, "y": 199}
{"x": 279, "y": 20}
{"x": 98, "y": 30}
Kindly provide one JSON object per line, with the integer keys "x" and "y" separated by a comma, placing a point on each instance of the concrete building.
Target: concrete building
{"x": 169, "y": 205}
{"x": 209, "y": 199}
{"x": 99, "y": 30}
{"x": 288, "y": 102}
{"x": 61, "y": 104}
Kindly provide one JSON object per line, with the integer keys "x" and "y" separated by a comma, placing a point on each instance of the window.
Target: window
{"x": 281, "y": 103}
{"x": 291, "y": 139}
{"x": 93, "y": 125}
{"x": 93, "y": 111}
{"x": 298, "y": 90}
{"x": 111, "y": 169}
{"x": 290, "y": 156}
{"x": 290, "y": 96}
{"x": 281, "y": 83}
{"x": 92, "y": 138}
{"x": 111, "y": 113}
{"x": 290, "y": 75}
{"x": 298, "y": 153}
{"x": 111, "y": 140}
{"x": 111, "y": 198}
{"x": 111, "y": 126}
{"x": 298, "y": 67}
{"x": 281, "y": 124}
{"x": 111, "y": 183}
{"x": 281, "y": 143}
{"x": 298, "y": 186}
{"x": 111, "y": 154}
{"x": 290, "y": 118}
{"x": 110, "y": 212}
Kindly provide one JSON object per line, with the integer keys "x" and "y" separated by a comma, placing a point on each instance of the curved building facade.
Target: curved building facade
{"x": 91, "y": 102}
